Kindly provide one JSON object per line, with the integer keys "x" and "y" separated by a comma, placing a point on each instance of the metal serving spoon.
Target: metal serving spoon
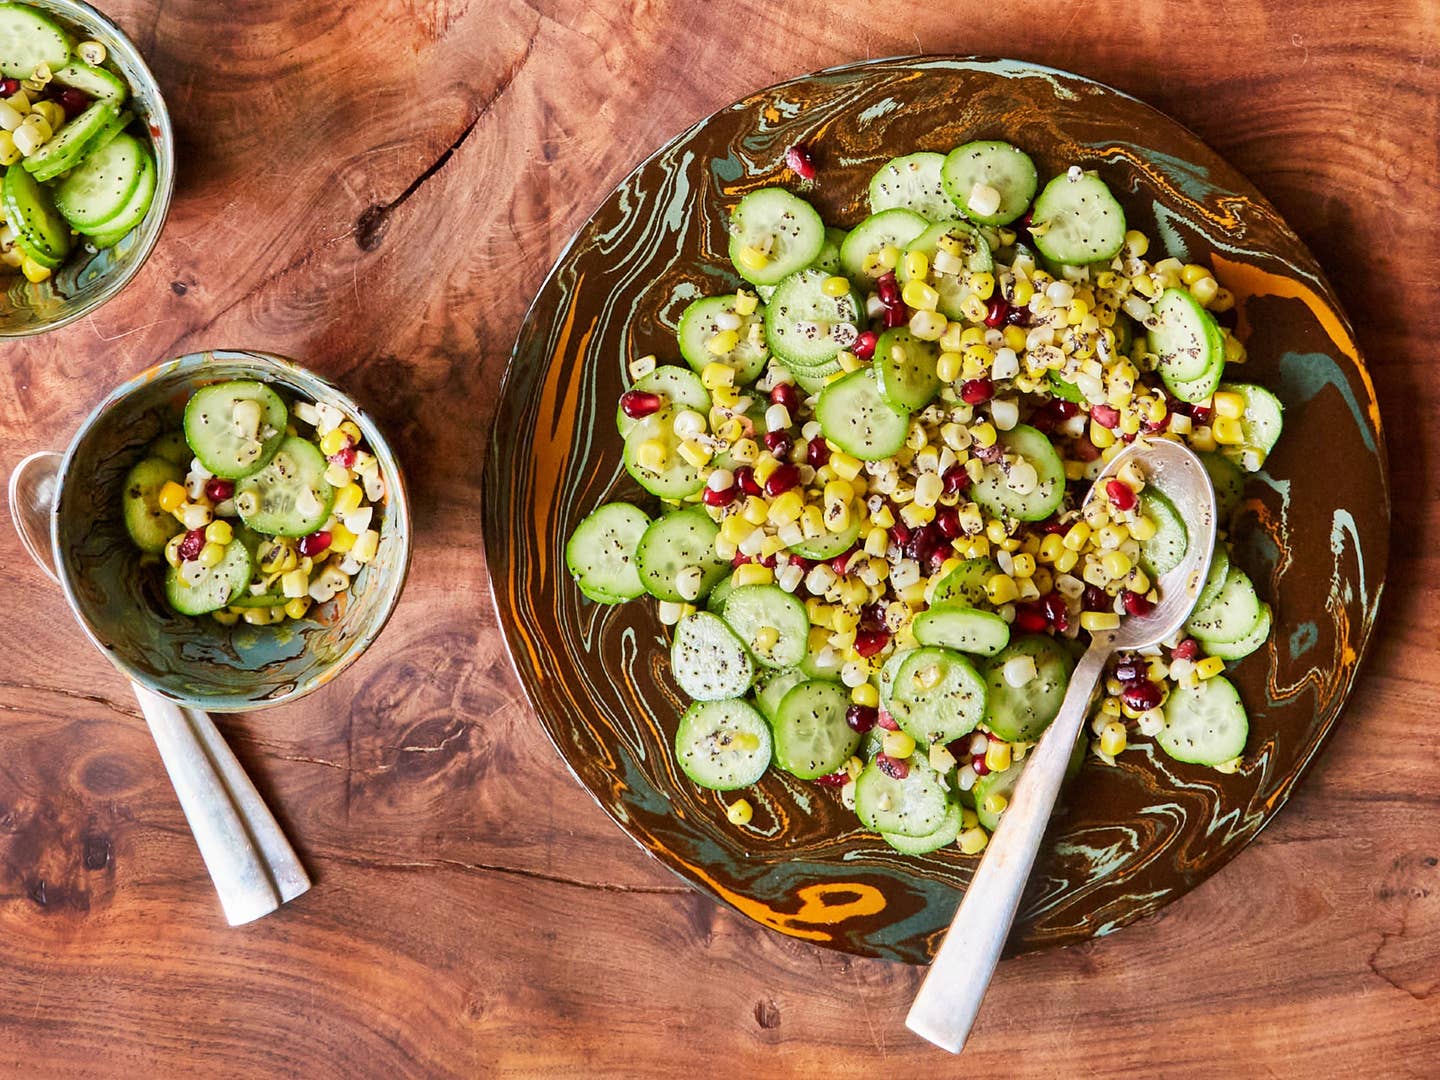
{"x": 252, "y": 864}
{"x": 949, "y": 999}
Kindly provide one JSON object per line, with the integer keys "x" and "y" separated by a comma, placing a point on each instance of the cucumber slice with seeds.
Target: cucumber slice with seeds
{"x": 31, "y": 212}
{"x": 1003, "y": 490}
{"x": 600, "y": 553}
{"x": 701, "y": 324}
{"x": 829, "y": 257}
{"x": 216, "y": 588}
{"x": 905, "y": 369}
{"x": 1076, "y": 220}
{"x": 1206, "y": 726}
{"x": 676, "y": 478}
{"x": 1261, "y": 423}
{"x": 828, "y": 544}
{"x": 966, "y": 583}
{"x": 805, "y": 327}
{"x": 673, "y": 543}
{"x": 149, "y": 526}
{"x": 100, "y": 83}
{"x": 812, "y": 737}
{"x": 679, "y": 388}
{"x": 995, "y": 164}
{"x": 965, "y": 629}
{"x": 771, "y": 688}
{"x": 954, "y": 289}
{"x": 1229, "y": 483}
{"x": 912, "y": 183}
{"x": 889, "y": 228}
{"x": 1186, "y": 341}
{"x": 1165, "y": 550}
{"x": 290, "y": 496}
{"x": 1215, "y": 577}
{"x": 1022, "y": 713}
{"x": 782, "y": 225}
{"x": 173, "y": 448}
{"x": 1242, "y": 647}
{"x": 29, "y": 38}
{"x": 936, "y": 696}
{"x": 751, "y": 610}
{"x": 1232, "y": 615}
{"x": 236, "y": 427}
{"x": 723, "y": 745}
{"x": 948, "y": 830}
{"x": 73, "y": 142}
{"x": 134, "y": 211}
{"x": 915, "y": 806}
{"x": 854, "y": 416}
{"x": 708, "y": 661}
{"x": 102, "y": 185}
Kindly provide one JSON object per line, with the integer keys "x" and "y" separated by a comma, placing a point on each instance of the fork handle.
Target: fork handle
{"x": 949, "y": 999}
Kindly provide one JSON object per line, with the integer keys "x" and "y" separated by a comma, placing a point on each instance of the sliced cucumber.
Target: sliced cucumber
{"x": 1165, "y": 550}
{"x": 752, "y": 611}
{"x": 1243, "y": 647}
{"x": 995, "y": 783}
{"x": 600, "y": 553}
{"x": 1215, "y": 577}
{"x": 996, "y": 164}
{"x": 1206, "y": 726}
{"x": 885, "y": 682}
{"x": 674, "y": 543}
{"x": 715, "y": 600}
{"x": 912, "y": 183}
{"x": 32, "y": 214}
{"x": 807, "y": 328}
{"x": 889, "y": 228}
{"x": 1076, "y": 220}
{"x": 101, "y": 186}
{"x": 100, "y": 83}
{"x": 72, "y": 143}
{"x": 1232, "y": 615}
{"x": 1186, "y": 341}
{"x": 771, "y": 688}
{"x": 723, "y": 745}
{"x": 28, "y": 39}
{"x": 921, "y": 845}
{"x": 854, "y": 416}
{"x": 829, "y": 257}
{"x": 814, "y": 668}
{"x": 106, "y": 135}
{"x": 936, "y": 696}
{"x": 676, "y": 478}
{"x": 1261, "y": 423}
{"x": 829, "y": 544}
{"x": 134, "y": 211}
{"x": 1007, "y": 492}
{"x": 1229, "y": 483}
{"x": 954, "y": 289}
{"x": 966, "y": 629}
{"x": 679, "y": 388}
{"x": 811, "y": 736}
{"x": 290, "y": 496}
{"x": 783, "y": 226}
{"x": 217, "y": 586}
{"x": 149, "y": 526}
{"x": 966, "y": 583}
{"x": 701, "y": 324}
{"x": 1022, "y": 713}
{"x": 173, "y": 448}
{"x": 905, "y": 370}
{"x": 1199, "y": 389}
{"x": 915, "y": 806}
{"x": 708, "y": 661}
{"x": 221, "y": 428}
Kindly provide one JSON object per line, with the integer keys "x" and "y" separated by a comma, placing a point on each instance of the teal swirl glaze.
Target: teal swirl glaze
{"x": 1129, "y": 839}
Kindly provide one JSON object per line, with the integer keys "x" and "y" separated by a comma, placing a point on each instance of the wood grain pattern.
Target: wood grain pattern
{"x": 474, "y": 913}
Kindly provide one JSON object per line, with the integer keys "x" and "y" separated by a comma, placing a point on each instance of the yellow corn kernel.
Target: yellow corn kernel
{"x": 211, "y": 554}
{"x": 724, "y": 342}
{"x": 927, "y": 325}
{"x": 227, "y": 617}
{"x": 1202, "y": 438}
{"x": 974, "y": 308}
{"x": 740, "y": 811}
{"x": 366, "y": 546}
{"x": 714, "y": 375}
{"x": 982, "y": 284}
{"x": 1096, "y": 621}
{"x": 33, "y": 271}
{"x": 1117, "y": 564}
{"x": 845, "y": 466}
{"x": 771, "y": 545}
{"x": 787, "y": 507}
{"x": 973, "y": 840}
{"x": 171, "y": 497}
{"x": 756, "y": 511}
{"x": 348, "y": 499}
{"x": 919, "y": 296}
{"x": 865, "y": 694}
{"x": 1001, "y": 589}
{"x": 752, "y": 574}
{"x": 897, "y": 744}
{"x": 764, "y": 467}
{"x": 1014, "y": 338}
{"x": 352, "y": 431}
{"x": 1227, "y": 431}
{"x": 876, "y": 541}
{"x": 1145, "y": 285}
{"x": 995, "y": 803}
{"x": 975, "y": 469}
{"x": 651, "y": 455}
{"x": 745, "y": 303}
{"x": 745, "y": 451}
{"x": 928, "y": 677}
{"x": 1100, "y": 435}
{"x": 1112, "y": 739}
{"x": 1110, "y": 537}
{"x": 889, "y": 257}
{"x": 915, "y": 515}
{"x": 695, "y": 453}
{"x": 997, "y": 756}
{"x": 219, "y": 532}
{"x": 298, "y": 607}
{"x": 917, "y": 265}
{"x": 947, "y": 367}
{"x": 995, "y": 531}
{"x": 1051, "y": 547}
{"x": 812, "y": 520}
{"x": 984, "y": 433}
{"x": 835, "y": 286}
{"x": 1193, "y": 273}
{"x": 843, "y": 620}
{"x": 1205, "y": 290}
{"x": 342, "y": 539}
{"x": 1022, "y": 292}
{"x": 9, "y": 152}
{"x": 1228, "y": 404}
{"x": 1077, "y": 536}
{"x": 752, "y": 258}
{"x": 1023, "y": 566}
{"x": 1142, "y": 528}
{"x": 734, "y": 529}
{"x": 1209, "y": 667}
{"x": 333, "y": 441}
{"x": 1067, "y": 560}
{"x": 849, "y": 361}
{"x": 766, "y": 638}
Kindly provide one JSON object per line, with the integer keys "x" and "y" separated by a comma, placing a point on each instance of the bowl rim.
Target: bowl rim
{"x": 162, "y": 134}
{"x": 397, "y": 503}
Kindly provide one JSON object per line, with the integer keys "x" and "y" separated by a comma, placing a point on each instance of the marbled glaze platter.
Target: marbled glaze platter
{"x": 1313, "y": 531}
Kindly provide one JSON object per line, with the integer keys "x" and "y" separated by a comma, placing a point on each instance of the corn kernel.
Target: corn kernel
{"x": 1116, "y": 564}
{"x": 752, "y": 258}
{"x": 1077, "y": 536}
{"x": 298, "y": 607}
{"x": 227, "y": 617}
{"x": 984, "y": 434}
{"x": 1112, "y": 738}
{"x": 1228, "y": 404}
{"x": 1227, "y": 431}
{"x": 1193, "y": 273}
{"x": 927, "y": 325}
{"x": 695, "y": 453}
{"x": 947, "y": 367}
{"x": 972, "y": 841}
{"x": 919, "y": 296}
{"x": 982, "y": 284}
{"x": 342, "y": 539}
{"x": 171, "y": 497}
{"x": 219, "y": 532}
{"x": 1023, "y": 566}
{"x": 787, "y": 507}
{"x": 1098, "y": 621}
{"x": 715, "y": 375}
{"x": 1001, "y": 589}
{"x": 835, "y": 286}
{"x": 333, "y": 441}
{"x": 756, "y": 511}
{"x": 734, "y": 529}
{"x": 752, "y": 574}
{"x": 766, "y": 638}
{"x": 917, "y": 265}
{"x": 865, "y": 694}
{"x": 740, "y": 811}
{"x": 1100, "y": 435}
{"x": 651, "y": 455}
{"x": 889, "y": 257}
{"x": 33, "y": 271}
{"x": 897, "y": 744}
{"x": 845, "y": 466}
{"x": 1067, "y": 560}
{"x": 723, "y": 343}
{"x": 1209, "y": 667}
{"x": 995, "y": 803}
{"x": 9, "y": 152}
{"x": 848, "y": 361}
{"x": 997, "y": 756}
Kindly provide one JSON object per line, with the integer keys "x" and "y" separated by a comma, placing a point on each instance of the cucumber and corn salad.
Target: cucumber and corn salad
{"x": 254, "y": 520}
{"x": 71, "y": 165}
{"x": 871, "y": 544}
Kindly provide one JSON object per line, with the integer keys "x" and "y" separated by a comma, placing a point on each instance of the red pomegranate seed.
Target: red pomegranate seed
{"x": 886, "y": 721}
{"x": 864, "y": 346}
{"x": 978, "y": 764}
{"x": 1122, "y": 495}
{"x": 315, "y": 543}
{"x": 1200, "y": 414}
{"x": 841, "y": 563}
{"x": 801, "y": 161}
{"x": 956, "y": 479}
{"x": 1135, "y": 603}
{"x": 1107, "y": 416}
{"x": 1094, "y": 598}
{"x": 785, "y": 394}
{"x": 899, "y": 532}
{"x": 892, "y": 767}
{"x": 897, "y": 315}
{"x": 862, "y": 718}
{"x": 769, "y": 560}
{"x": 888, "y": 289}
{"x": 1055, "y": 610}
{"x": 637, "y": 404}
{"x": 779, "y": 443}
{"x": 817, "y": 452}
{"x": 720, "y": 498}
{"x": 1189, "y": 649}
{"x": 9, "y": 86}
{"x": 1085, "y": 450}
{"x": 947, "y": 520}
{"x": 1063, "y": 409}
{"x": 976, "y": 391}
{"x": 870, "y": 642}
{"x": 1132, "y": 669}
{"x": 73, "y": 101}
{"x": 1018, "y": 316}
{"x": 218, "y": 490}
{"x": 782, "y": 480}
{"x": 1141, "y": 696}
{"x": 746, "y": 482}
{"x": 835, "y": 779}
{"x": 996, "y": 312}
{"x": 1031, "y": 618}
{"x": 344, "y": 457}
{"x": 193, "y": 542}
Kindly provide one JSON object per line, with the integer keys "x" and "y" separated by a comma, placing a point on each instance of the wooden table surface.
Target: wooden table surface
{"x": 377, "y": 188}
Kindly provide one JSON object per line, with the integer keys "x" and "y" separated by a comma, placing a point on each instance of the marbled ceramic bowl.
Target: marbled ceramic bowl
{"x": 119, "y": 599}
{"x": 1313, "y": 531}
{"x": 86, "y": 280}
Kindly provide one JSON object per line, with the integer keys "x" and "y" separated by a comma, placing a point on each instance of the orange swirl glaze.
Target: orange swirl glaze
{"x": 814, "y": 911}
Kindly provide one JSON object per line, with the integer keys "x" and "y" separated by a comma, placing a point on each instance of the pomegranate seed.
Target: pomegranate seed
{"x": 1141, "y": 696}
{"x": 900, "y": 532}
{"x": 996, "y": 312}
{"x": 888, "y": 289}
{"x": 976, "y": 391}
{"x": 782, "y": 480}
{"x": 803, "y": 563}
{"x": 1189, "y": 649}
{"x": 1122, "y": 495}
{"x": 1132, "y": 669}
{"x": 9, "y": 86}
{"x": 1063, "y": 409}
{"x": 886, "y": 721}
{"x": 344, "y": 457}
{"x": 1055, "y": 610}
{"x": 73, "y": 101}
{"x": 1031, "y": 618}
{"x": 840, "y": 563}
{"x": 769, "y": 560}
{"x": 817, "y": 452}
{"x": 315, "y": 543}
{"x": 746, "y": 482}
{"x": 956, "y": 479}
{"x": 785, "y": 394}
{"x": 978, "y": 764}
{"x": 1018, "y": 316}
{"x": 193, "y": 542}
{"x": 870, "y": 642}
{"x": 637, "y": 404}
{"x": 1200, "y": 414}
{"x": 835, "y": 779}
{"x": 218, "y": 490}
{"x": 872, "y": 616}
{"x": 947, "y": 520}
{"x": 779, "y": 443}
{"x": 1043, "y": 421}
{"x": 740, "y": 559}
{"x": 892, "y": 767}
{"x": 899, "y": 315}
{"x": 720, "y": 498}
{"x": 861, "y": 718}
{"x": 801, "y": 161}
{"x": 1107, "y": 416}
{"x": 1085, "y": 450}
{"x": 1135, "y": 603}
{"x": 1095, "y": 599}
{"x": 864, "y": 346}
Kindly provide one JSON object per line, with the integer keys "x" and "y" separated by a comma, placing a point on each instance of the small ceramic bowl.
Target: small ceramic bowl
{"x": 86, "y": 281}
{"x": 119, "y": 601}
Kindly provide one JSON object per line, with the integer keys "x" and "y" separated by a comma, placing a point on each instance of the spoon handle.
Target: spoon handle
{"x": 949, "y": 999}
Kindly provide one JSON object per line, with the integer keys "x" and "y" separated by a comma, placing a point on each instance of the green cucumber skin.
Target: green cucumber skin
{"x": 150, "y": 527}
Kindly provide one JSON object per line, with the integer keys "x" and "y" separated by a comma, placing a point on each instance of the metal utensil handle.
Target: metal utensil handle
{"x": 949, "y": 999}
{"x": 47, "y": 462}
